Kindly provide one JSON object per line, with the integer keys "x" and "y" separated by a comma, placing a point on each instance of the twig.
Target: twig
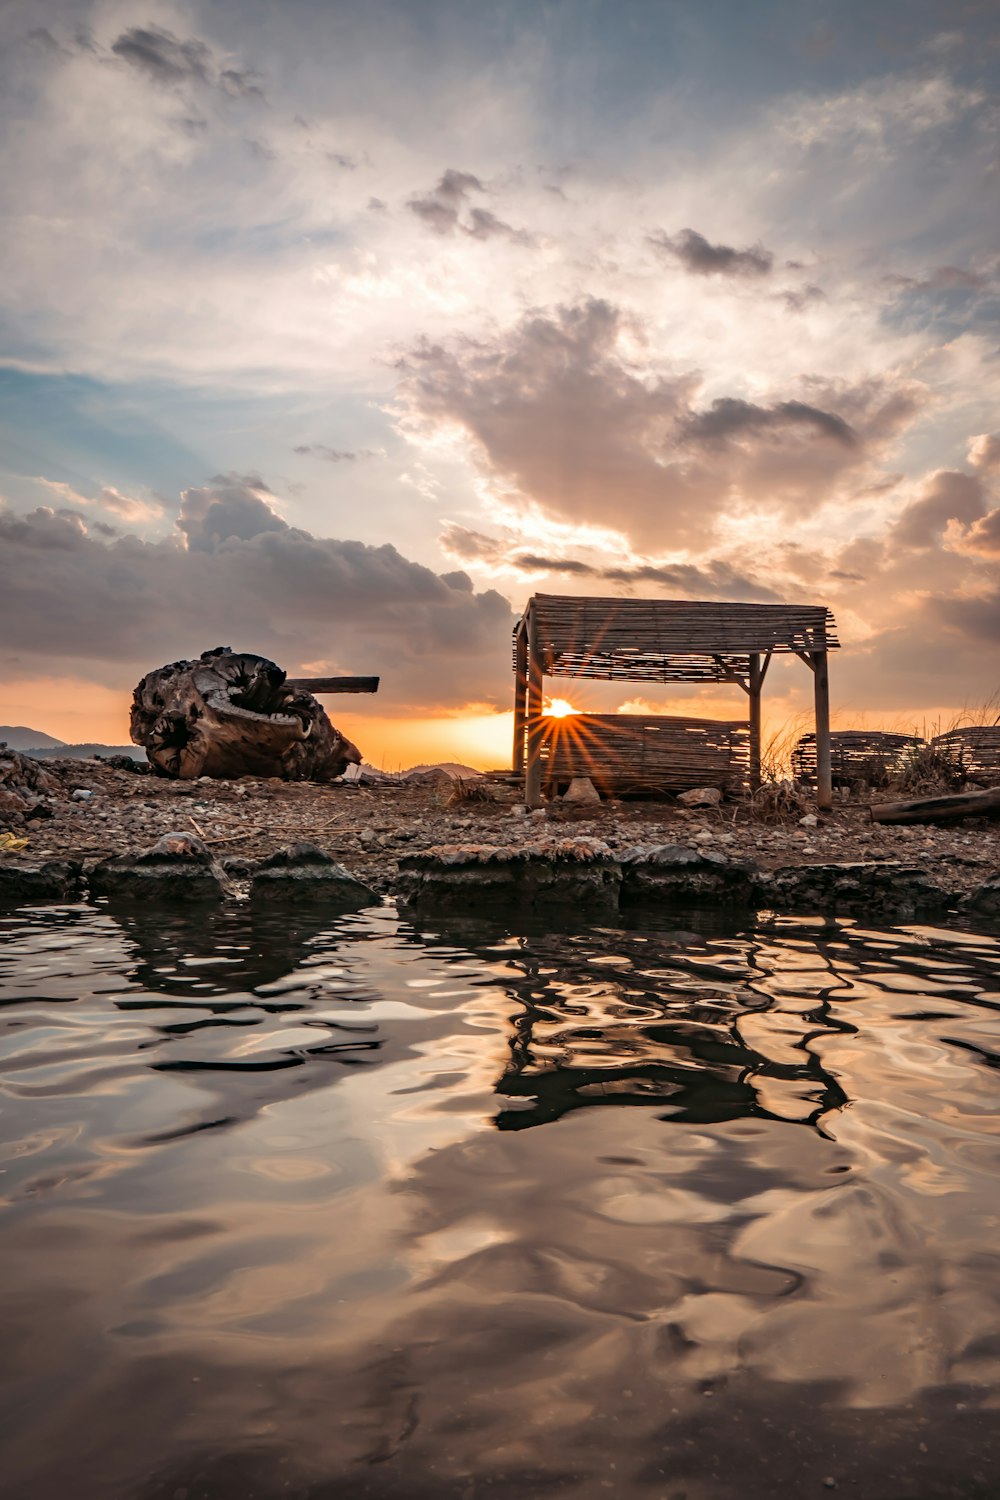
{"x": 231, "y": 838}
{"x": 198, "y": 829}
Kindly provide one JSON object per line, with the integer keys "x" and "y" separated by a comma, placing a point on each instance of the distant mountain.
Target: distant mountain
{"x": 453, "y": 768}
{"x": 59, "y": 751}
{"x": 18, "y": 737}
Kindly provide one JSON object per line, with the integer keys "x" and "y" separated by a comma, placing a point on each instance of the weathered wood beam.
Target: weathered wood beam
{"x": 520, "y": 688}
{"x": 535, "y": 725}
{"x": 939, "y": 809}
{"x": 821, "y": 694}
{"x": 756, "y": 683}
{"x": 333, "y": 684}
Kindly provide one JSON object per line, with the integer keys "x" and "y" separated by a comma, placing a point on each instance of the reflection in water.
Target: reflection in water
{"x": 275, "y": 1219}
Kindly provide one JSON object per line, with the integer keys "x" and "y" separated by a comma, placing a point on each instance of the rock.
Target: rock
{"x": 581, "y": 874}
{"x": 700, "y": 796}
{"x": 704, "y": 836}
{"x": 659, "y": 870}
{"x": 177, "y": 867}
{"x": 866, "y": 888}
{"x": 53, "y": 880}
{"x": 304, "y": 870}
{"x": 433, "y": 776}
{"x": 81, "y": 794}
{"x": 809, "y": 821}
{"x": 581, "y": 789}
{"x": 985, "y": 899}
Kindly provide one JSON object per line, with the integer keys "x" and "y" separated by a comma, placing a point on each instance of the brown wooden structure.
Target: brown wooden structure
{"x": 636, "y": 753}
{"x": 664, "y": 640}
{"x": 975, "y": 749}
{"x": 856, "y": 755}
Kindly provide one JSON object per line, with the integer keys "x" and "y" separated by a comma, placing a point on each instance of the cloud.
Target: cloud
{"x": 337, "y": 455}
{"x": 718, "y": 580}
{"x": 729, "y": 417}
{"x": 564, "y": 415}
{"x": 230, "y": 507}
{"x": 984, "y": 452}
{"x": 239, "y": 573}
{"x": 983, "y": 536}
{"x": 163, "y": 57}
{"x": 947, "y": 495}
{"x": 697, "y": 255}
{"x": 442, "y": 207}
{"x": 715, "y": 580}
{"x": 128, "y": 508}
{"x": 801, "y": 298}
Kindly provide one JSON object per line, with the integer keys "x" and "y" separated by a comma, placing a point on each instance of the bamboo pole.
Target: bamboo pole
{"x": 520, "y": 688}
{"x": 535, "y": 697}
{"x": 821, "y": 694}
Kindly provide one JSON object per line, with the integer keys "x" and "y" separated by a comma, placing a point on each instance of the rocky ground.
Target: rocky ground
{"x": 87, "y": 810}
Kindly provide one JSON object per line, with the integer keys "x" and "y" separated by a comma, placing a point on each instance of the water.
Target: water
{"x": 335, "y": 1208}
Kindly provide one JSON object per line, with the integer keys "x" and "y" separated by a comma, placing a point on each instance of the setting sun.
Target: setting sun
{"x": 558, "y": 708}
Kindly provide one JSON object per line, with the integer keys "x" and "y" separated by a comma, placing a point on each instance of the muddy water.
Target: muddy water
{"x": 300, "y": 1207}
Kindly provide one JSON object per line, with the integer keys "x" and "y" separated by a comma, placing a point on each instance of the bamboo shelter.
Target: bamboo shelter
{"x": 662, "y": 640}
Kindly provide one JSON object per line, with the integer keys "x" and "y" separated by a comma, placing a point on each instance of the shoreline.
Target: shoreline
{"x": 387, "y": 833}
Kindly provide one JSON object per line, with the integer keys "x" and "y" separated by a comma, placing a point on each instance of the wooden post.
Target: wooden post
{"x": 535, "y": 696}
{"x": 756, "y": 682}
{"x": 821, "y": 690}
{"x": 520, "y": 688}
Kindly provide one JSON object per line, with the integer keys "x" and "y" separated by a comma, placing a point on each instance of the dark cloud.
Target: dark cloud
{"x": 442, "y": 208}
{"x": 160, "y": 55}
{"x": 45, "y": 529}
{"x": 729, "y": 417}
{"x": 803, "y": 297}
{"x": 229, "y": 507}
{"x": 716, "y": 581}
{"x": 948, "y": 495}
{"x": 335, "y": 455}
{"x": 242, "y": 575}
{"x": 241, "y": 83}
{"x": 697, "y": 255}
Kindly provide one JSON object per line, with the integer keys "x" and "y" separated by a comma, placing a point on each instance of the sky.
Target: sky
{"x": 335, "y": 332}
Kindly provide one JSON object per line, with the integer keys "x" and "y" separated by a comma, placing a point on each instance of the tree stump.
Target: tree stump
{"x": 231, "y": 713}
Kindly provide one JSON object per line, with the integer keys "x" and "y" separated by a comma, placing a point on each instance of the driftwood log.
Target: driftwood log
{"x": 939, "y": 809}
{"x": 231, "y": 713}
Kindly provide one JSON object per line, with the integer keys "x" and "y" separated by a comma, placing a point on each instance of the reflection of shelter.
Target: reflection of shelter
{"x": 659, "y": 640}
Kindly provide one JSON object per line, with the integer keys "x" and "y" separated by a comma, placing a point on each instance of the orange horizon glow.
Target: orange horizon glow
{"x": 80, "y": 712}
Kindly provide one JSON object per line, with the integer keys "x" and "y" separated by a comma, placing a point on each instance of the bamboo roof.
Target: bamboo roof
{"x": 669, "y": 640}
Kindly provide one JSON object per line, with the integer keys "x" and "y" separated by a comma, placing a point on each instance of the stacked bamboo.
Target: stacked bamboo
{"x": 855, "y": 754}
{"x": 975, "y": 750}
{"x": 623, "y": 753}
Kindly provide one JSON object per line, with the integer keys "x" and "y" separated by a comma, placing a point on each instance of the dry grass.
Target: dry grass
{"x": 470, "y": 790}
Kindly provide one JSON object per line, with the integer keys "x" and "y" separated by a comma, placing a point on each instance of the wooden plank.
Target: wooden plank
{"x": 333, "y": 684}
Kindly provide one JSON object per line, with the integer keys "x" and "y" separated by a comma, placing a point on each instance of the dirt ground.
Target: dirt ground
{"x": 369, "y": 827}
